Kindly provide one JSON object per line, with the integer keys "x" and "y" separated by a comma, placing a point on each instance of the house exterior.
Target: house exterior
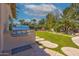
{"x": 7, "y": 42}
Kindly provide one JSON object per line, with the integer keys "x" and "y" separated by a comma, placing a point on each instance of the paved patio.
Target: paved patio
{"x": 34, "y": 51}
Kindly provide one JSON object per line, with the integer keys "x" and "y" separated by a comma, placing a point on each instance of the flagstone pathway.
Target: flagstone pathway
{"x": 48, "y": 44}
{"x": 76, "y": 40}
{"x": 45, "y": 43}
{"x": 70, "y": 51}
{"x": 52, "y": 53}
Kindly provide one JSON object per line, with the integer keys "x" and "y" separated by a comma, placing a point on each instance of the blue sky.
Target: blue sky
{"x": 37, "y": 10}
{"x": 62, "y": 6}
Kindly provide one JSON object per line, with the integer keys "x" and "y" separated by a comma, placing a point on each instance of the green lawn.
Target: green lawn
{"x": 61, "y": 40}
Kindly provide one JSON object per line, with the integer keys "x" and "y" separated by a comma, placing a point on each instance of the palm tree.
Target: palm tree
{"x": 68, "y": 21}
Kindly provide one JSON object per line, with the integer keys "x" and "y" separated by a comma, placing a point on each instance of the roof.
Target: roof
{"x": 21, "y": 27}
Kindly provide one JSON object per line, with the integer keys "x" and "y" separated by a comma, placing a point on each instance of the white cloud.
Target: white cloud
{"x": 39, "y": 10}
{"x": 30, "y": 6}
{"x": 36, "y": 14}
{"x": 41, "y": 7}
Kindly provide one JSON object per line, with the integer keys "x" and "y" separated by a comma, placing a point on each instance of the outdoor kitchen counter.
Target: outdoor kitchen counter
{"x": 13, "y": 42}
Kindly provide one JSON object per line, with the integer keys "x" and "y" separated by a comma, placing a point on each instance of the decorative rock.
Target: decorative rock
{"x": 48, "y": 44}
{"x": 70, "y": 51}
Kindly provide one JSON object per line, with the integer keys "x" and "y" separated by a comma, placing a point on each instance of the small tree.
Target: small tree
{"x": 33, "y": 24}
{"x": 50, "y": 21}
{"x": 22, "y": 21}
{"x": 42, "y": 23}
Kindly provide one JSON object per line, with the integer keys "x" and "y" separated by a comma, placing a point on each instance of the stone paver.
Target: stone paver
{"x": 48, "y": 44}
{"x": 76, "y": 40}
{"x": 40, "y": 39}
{"x": 70, "y": 51}
{"x": 37, "y": 37}
{"x": 52, "y": 53}
{"x": 41, "y": 46}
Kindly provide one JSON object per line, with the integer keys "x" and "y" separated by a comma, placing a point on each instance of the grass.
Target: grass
{"x": 62, "y": 40}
